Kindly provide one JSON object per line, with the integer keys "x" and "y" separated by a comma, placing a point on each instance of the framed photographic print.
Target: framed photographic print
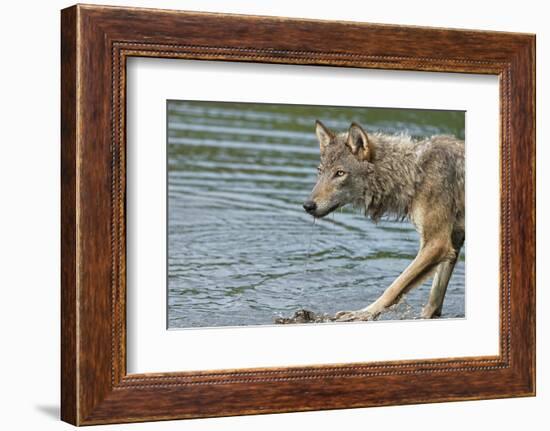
{"x": 264, "y": 214}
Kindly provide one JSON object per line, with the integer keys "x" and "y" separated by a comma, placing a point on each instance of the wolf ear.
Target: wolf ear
{"x": 358, "y": 142}
{"x": 324, "y": 135}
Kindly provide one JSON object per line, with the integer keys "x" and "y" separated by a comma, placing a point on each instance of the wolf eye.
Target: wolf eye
{"x": 339, "y": 174}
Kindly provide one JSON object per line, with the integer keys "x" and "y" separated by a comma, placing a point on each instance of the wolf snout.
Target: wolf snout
{"x": 310, "y": 206}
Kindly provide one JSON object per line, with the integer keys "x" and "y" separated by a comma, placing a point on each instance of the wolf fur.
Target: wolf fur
{"x": 402, "y": 178}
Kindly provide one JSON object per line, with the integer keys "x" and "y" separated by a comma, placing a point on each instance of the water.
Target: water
{"x": 241, "y": 249}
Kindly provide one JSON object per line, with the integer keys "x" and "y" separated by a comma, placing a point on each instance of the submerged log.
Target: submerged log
{"x": 305, "y": 316}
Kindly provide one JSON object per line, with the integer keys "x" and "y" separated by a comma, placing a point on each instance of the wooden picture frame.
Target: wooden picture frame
{"x": 95, "y": 43}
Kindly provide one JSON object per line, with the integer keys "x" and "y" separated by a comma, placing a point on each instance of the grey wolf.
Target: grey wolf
{"x": 397, "y": 176}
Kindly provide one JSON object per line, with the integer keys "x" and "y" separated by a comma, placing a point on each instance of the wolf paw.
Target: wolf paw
{"x": 351, "y": 316}
{"x": 430, "y": 312}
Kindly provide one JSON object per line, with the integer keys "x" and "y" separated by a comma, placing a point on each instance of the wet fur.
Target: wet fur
{"x": 399, "y": 177}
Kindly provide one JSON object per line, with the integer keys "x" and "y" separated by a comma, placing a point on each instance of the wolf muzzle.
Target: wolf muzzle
{"x": 310, "y": 207}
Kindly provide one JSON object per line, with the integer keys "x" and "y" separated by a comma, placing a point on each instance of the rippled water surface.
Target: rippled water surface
{"x": 241, "y": 250}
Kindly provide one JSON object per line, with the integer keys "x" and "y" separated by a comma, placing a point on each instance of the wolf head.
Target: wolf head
{"x": 345, "y": 160}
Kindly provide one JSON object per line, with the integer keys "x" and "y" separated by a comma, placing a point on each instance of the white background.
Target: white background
{"x": 151, "y": 348}
{"x": 29, "y": 216}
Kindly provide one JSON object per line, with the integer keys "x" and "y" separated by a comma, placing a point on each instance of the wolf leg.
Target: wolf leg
{"x": 429, "y": 256}
{"x": 439, "y": 288}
